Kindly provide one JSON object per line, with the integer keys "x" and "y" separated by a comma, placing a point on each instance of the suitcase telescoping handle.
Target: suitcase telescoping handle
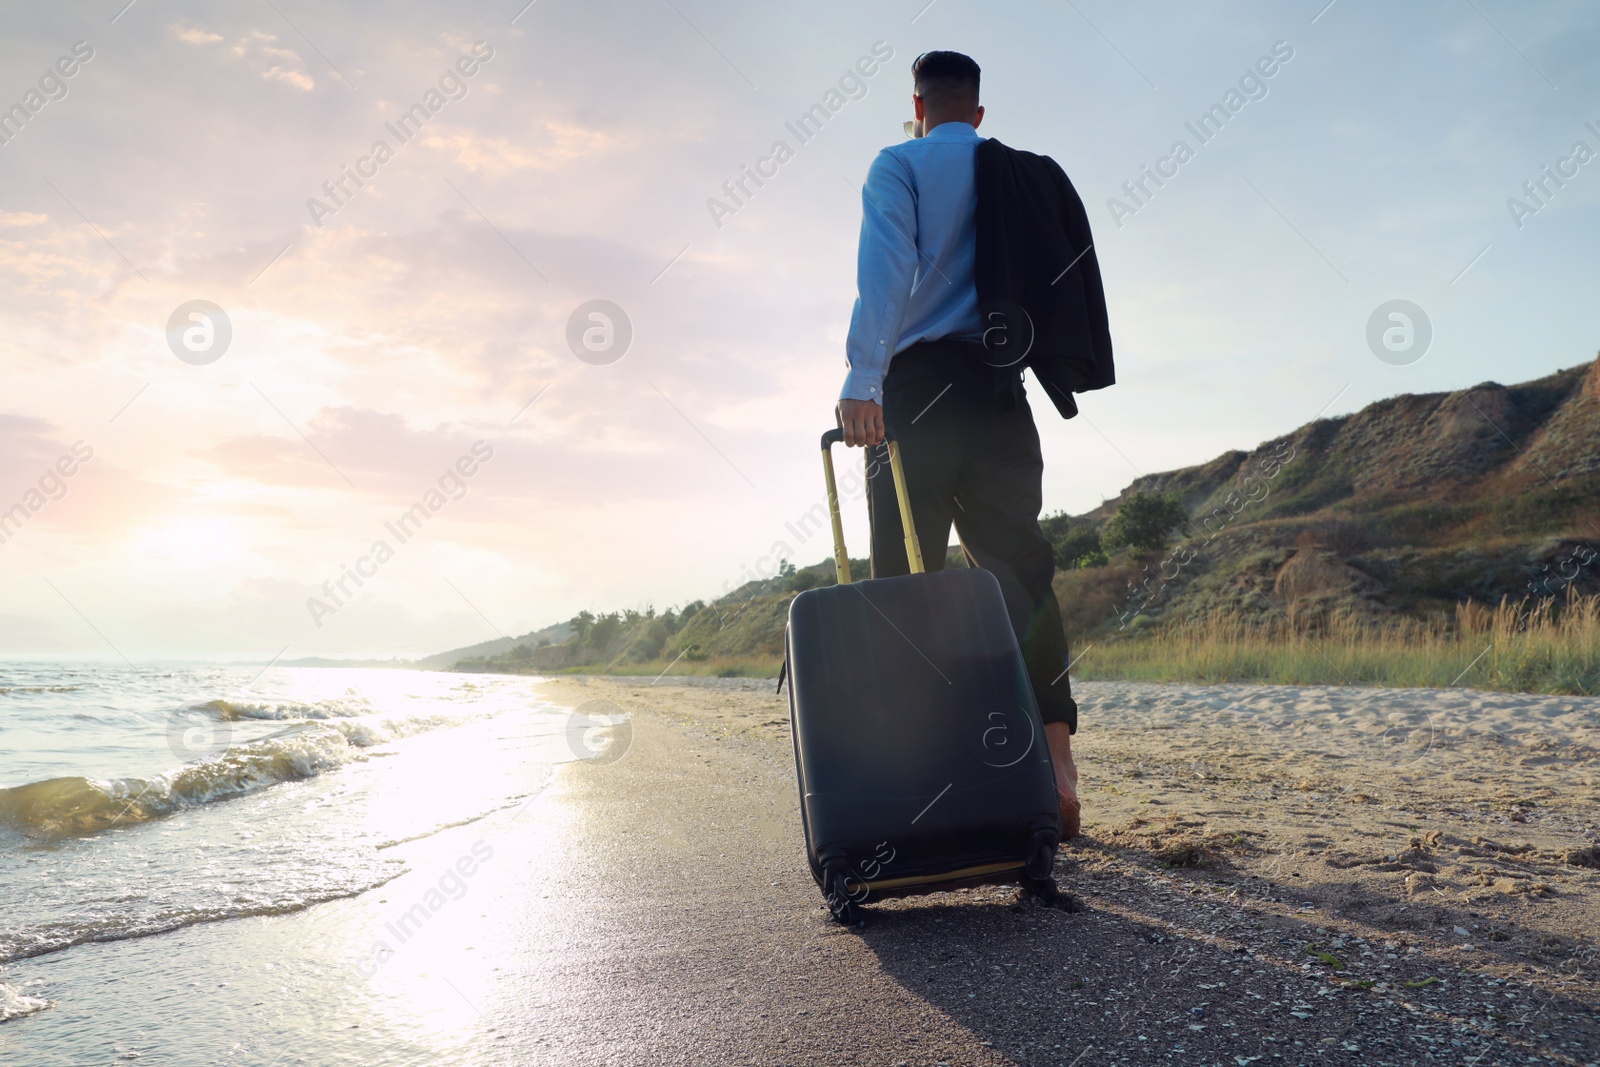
{"x": 841, "y": 561}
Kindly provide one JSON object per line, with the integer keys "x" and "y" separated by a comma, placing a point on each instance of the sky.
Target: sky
{"x": 425, "y": 337}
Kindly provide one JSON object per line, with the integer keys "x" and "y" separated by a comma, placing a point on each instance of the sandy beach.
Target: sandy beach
{"x": 1297, "y": 874}
{"x": 1268, "y": 875}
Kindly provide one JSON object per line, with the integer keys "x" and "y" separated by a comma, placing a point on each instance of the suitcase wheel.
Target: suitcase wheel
{"x": 834, "y": 881}
{"x": 1037, "y": 875}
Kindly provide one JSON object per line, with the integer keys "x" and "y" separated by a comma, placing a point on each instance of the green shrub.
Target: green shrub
{"x": 1095, "y": 558}
{"x": 605, "y": 630}
{"x": 1069, "y": 541}
{"x": 1145, "y": 521}
{"x": 648, "y": 645}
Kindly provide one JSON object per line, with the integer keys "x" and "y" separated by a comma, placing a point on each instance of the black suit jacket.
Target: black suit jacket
{"x": 1035, "y": 253}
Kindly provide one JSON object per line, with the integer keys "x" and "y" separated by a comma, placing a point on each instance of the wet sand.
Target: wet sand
{"x": 655, "y": 909}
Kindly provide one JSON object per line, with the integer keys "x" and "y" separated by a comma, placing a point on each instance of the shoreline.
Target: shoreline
{"x": 1380, "y": 668}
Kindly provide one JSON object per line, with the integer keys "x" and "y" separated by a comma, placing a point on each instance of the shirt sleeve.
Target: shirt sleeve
{"x": 886, "y": 270}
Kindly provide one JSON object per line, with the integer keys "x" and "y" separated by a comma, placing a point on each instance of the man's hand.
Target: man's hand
{"x": 861, "y": 421}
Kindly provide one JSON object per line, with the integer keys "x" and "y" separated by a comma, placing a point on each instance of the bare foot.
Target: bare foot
{"x": 1058, "y": 736}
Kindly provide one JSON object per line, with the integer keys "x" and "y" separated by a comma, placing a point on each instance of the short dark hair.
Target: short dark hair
{"x": 946, "y": 79}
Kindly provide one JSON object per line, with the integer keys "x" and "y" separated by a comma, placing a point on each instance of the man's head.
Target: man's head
{"x": 945, "y": 89}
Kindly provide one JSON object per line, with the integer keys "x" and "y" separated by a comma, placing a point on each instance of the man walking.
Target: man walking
{"x": 975, "y": 262}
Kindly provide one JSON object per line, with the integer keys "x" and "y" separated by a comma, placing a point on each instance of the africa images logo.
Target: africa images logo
{"x": 1399, "y": 332}
{"x": 599, "y": 332}
{"x": 199, "y": 332}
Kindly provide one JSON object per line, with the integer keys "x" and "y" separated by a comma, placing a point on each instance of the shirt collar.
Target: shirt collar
{"x": 953, "y": 131}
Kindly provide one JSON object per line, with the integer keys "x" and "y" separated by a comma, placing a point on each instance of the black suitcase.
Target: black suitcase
{"x": 920, "y": 753}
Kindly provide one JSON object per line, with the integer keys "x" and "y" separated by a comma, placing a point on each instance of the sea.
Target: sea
{"x": 140, "y": 800}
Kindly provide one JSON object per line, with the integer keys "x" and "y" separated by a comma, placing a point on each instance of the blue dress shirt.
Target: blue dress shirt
{"x": 918, "y": 240}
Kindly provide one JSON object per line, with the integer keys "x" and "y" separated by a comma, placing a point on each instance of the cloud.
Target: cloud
{"x": 27, "y": 443}
{"x": 22, "y": 218}
{"x": 377, "y": 450}
{"x": 275, "y": 461}
{"x": 299, "y": 79}
{"x": 98, "y": 500}
{"x": 194, "y": 35}
{"x": 286, "y": 66}
{"x": 560, "y": 143}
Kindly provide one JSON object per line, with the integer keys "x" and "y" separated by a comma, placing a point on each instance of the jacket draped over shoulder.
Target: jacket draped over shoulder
{"x": 1035, "y": 256}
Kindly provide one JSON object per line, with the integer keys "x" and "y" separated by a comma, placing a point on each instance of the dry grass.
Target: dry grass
{"x": 1517, "y": 646}
{"x": 715, "y": 666}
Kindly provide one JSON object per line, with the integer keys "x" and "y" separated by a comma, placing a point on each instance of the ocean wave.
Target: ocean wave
{"x": 14, "y": 1004}
{"x": 79, "y": 806}
{"x": 53, "y": 937}
{"x": 74, "y": 806}
{"x": 240, "y": 709}
{"x": 7, "y": 690}
{"x": 369, "y": 732}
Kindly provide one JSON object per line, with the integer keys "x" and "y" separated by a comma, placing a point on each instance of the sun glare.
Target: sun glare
{"x": 191, "y": 540}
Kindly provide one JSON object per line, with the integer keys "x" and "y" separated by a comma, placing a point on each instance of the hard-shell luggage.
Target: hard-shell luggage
{"x": 920, "y": 753}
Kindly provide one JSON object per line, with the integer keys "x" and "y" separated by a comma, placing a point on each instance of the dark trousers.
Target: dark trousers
{"x": 971, "y": 455}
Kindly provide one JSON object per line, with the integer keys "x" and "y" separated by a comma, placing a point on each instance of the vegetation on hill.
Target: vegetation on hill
{"x": 1376, "y": 547}
{"x": 738, "y": 634}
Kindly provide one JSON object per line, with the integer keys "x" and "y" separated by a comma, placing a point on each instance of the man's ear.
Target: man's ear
{"x": 916, "y": 105}
{"x": 977, "y": 119}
